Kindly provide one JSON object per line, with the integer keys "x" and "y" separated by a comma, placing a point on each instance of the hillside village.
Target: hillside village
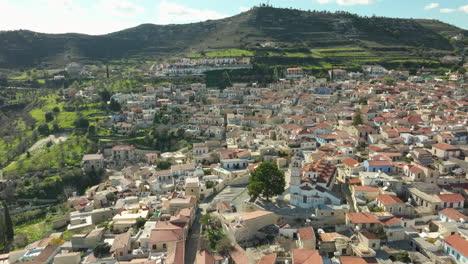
{"x": 375, "y": 167}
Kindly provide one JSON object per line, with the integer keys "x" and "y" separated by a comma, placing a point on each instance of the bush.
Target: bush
{"x": 101, "y": 249}
{"x": 209, "y": 184}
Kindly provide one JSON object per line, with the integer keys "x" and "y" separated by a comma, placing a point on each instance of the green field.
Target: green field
{"x": 35, "y": 230}
{"x": 65, "y": 119}
{"x": 224, "y": 53}
{"x": 64, "y": 154}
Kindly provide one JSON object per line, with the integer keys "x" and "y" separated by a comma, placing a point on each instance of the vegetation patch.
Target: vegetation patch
{"x": 223, "y": 53}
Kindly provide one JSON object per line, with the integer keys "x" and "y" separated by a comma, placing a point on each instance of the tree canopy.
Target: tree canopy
{"x": 266, "y": 180}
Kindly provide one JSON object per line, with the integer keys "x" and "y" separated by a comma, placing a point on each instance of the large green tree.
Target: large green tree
{"x": 266, "y": 180}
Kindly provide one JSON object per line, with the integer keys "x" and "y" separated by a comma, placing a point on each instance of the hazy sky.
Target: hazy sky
{"x": 105, "y": 16}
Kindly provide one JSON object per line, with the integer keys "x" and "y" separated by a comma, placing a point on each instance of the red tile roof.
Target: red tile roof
{"x": 306, "y": 233}
{"x": 357, "y": 260}
{"x": 453, "y": 214}
{"x": 389, "y": 199}
{"x": 458, "y": 243}
{"x": 306, "y": 256}
{"x": 366, "y": 189}
{"x": 351, "y": 162}
{"x": 362, "y": 218}
{"x": 444, "y": 146}
{"x": 451, "y": 198}
{"x": 268, "y": 259}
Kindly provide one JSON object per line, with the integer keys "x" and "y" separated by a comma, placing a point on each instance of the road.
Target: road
{"x": 193, "y": 237}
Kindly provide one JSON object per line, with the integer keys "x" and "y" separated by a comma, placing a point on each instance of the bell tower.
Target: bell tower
{"x": 295, "y": 170}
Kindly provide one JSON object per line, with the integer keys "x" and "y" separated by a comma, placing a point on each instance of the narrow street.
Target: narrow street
{"x": 194, "y": 235}
{"x": 192, "y": 241}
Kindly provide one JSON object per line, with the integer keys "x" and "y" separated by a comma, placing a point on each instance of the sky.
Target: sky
{"x": 105, "y": 16}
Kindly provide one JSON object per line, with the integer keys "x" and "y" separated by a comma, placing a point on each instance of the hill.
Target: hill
{"x": 292, "y": 30}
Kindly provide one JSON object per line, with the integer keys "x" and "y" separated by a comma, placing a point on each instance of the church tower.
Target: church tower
{"x": 295, "y": 170}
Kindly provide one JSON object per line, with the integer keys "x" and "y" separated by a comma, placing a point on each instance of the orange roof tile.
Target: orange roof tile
{"x": 458, "y": 243}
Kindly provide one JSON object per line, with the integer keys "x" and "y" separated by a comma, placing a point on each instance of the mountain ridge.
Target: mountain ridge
{"x": 291, "y": 27}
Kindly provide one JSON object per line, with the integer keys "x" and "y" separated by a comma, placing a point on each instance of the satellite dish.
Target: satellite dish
{"x": 462, "y": 220}
{"x": 337, "y": 254}
{"x": 320, "y": 231}
{"x": 357, "y": 228}
{"x": 409, "y": 200}
{"x": 426, "y": 229}
{"x": 387, "y": 183}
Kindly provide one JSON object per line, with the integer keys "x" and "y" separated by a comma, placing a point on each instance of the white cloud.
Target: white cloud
{"x": 244, "y": 8}
{"x": 121, "y": 8}
{"x": 447, "y": 10}
{"x": 464, "y": 9}
{"x": 56, "y": 16}
{"x": 172, "y": 13}
{"x": 347, "y": 2}
{"x": 431, "y": 6}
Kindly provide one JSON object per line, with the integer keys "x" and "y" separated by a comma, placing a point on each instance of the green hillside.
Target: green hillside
{"x": 296, "y": 33}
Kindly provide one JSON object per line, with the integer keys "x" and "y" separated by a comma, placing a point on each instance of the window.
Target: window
{"x": 304, "y": 199}
{"x": 164, "y": 245}
{"x": 154, "y": 246}
{"x": 121, "y": 253}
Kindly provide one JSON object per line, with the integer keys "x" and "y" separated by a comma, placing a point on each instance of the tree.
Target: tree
{"x": 111, "y": 197}
{"x": 362, "y": 101}
{"x": 389, "y": 81}
{"x": 43, "y": 129}
{"x": 357, "y": 119}
{"x": 101, "y": 249}
{"x": 114, "y": 105}
{"x": 140, "y": 222}
{"x": 105, "y": 95}
{"x": 56, "y": 110}
{"x": 81, "y": 122}
{"x": 224, "y": 246}
{"x": 163, "y": 165}
{"x": 266, "y": 180}
{"x": 49, "y": 117}
{"x": 209, "y": 184}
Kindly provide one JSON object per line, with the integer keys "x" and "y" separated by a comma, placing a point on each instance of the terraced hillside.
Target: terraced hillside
{"x": 304, "y": 35}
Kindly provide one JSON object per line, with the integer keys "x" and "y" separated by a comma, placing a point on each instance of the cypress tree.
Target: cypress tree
{"x": 10, "y": 234}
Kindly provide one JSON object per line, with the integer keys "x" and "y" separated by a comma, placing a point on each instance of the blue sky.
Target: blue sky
{"x": 105, "y": 16}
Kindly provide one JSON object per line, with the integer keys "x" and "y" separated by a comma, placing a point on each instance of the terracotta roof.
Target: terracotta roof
{"x": 391, "y": 221}
{"x": 306, "y": 233}
{"x": 357, "y": 260}
{"x": 239, "y": 256}
{"x": 329, "y": 237}
{"x": 453, "y": 214}
{"x": 444, "y": 146}
{"x": 451, "y": 198}
{"x": 124, "y": 147}
{"x": 458, "y": 243}
{"x": 255, "y": 214}
{"x": 351, "y": 162}
{"x": 369, "y": 235}
{"x": 362, "y": 218}
{"x": 366, "y": 188}
{"x": 306, "y": 256}
{"x": 268, "y": 259}
{"x": 389, "y": 199}
{"x": 380, "y": 163}
{"x": 354, "y": 181}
